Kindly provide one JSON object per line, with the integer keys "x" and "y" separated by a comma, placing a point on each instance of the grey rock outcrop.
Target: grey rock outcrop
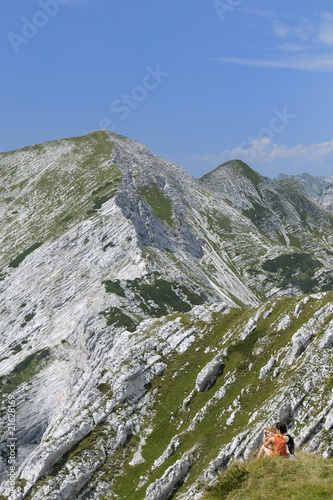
{"x": 162, "y": 488}
{"x": 209, "y": 373}
{"x": 327, "y": 340}
{"x": 267, "y": 368}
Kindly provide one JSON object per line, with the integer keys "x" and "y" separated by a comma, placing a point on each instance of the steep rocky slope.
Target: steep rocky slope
{"x": 279, "y": 209}
{"x": 325, "y": 199}
{"x": 121, "y": 344}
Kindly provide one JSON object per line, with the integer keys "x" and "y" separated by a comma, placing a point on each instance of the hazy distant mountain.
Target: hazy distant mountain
{"x": 152, "y": 323}
{"x": 325, "y": 199}
{"x": 313, "y": 185}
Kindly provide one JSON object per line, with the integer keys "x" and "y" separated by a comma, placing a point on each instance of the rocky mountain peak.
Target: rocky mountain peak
{"x": 146, "y": 317}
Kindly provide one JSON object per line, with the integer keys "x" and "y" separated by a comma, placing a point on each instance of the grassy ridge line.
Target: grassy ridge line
{"x": 71, "y": 188}
{"x": 308, "y": 477}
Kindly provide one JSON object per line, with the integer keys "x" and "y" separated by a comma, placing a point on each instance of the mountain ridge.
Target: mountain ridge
{"x": 313, "y": 185}
{"x": 142, "y": 308}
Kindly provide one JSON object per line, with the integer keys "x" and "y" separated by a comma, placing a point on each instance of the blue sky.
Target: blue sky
{"x": 197, "y": 81}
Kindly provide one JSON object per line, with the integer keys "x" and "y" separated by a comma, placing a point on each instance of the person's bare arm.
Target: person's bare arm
{"x": 268, "y": 442}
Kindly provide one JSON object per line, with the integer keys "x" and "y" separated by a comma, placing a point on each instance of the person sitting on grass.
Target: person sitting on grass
{"x": 265, "y": 449}
{"x": 274, "y": 444}
{"x": 281, "y": 426}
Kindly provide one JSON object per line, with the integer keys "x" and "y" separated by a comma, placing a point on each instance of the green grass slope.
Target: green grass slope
{"x": 309, "y": 477}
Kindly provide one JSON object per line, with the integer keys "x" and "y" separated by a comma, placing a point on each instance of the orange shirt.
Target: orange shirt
{"x": 279, "y": 446}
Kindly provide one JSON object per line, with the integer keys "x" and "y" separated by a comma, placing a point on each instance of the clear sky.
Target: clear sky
{"x": 197, "y": 81}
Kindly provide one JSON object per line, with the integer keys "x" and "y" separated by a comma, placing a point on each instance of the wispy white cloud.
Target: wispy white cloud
{"x": 306, "y": 45}
{"x": 283, "y": 26}
{"x": 304, "y": 32}
{"x": 263, "y": 151}
{"x": 267, "y": 157}
{"x": 325, "y": 32}
{"x": 267, "y": 151}
{"x": 301, "y": 61}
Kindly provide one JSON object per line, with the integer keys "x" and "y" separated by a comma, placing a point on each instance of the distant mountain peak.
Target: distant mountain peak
{"x": 312, "y": 185}
{"x": 238, "y": 166}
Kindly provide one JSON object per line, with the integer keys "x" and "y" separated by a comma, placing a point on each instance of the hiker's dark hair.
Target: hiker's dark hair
{"x": 281, "y": 426}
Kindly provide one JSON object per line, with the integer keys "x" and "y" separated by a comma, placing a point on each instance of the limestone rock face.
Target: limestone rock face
{"x": 267, "y": 368}
{"x": 209, "y": 373}
{"x": 327, "y": 340}
{"x": 134, "y": 341}
{"x": 162, "y": 488}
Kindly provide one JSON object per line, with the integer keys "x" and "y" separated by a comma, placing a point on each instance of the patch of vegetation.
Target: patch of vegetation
{"x": 100, "y": 200}
{"x": 253, "y": 270}
{"x": 20, "y": 258}
{"x": 38, "y": 356}
{"x": 112, "y": 469}
{"x": 244, "y": 347}
{"x": 17, "y": 348}
{"x": 116, "y": 317}
{"x": 23, "y": 371}
{"x": 114, "y": 287}
{"x": 158, "y": 296}
{"x": 101, "y": 188}
{"x": 103, "y": 388}
{"x": 258, "y": 214}
{"x": 232, "y": 479}
{"x": 88, "y": 442}
{"x": 327, "y": 284}
{"x": 295, "y": 241}
{"x": 67, "y": 218}
{"x": 28, "y": 317}
{"x": 20, "y": 483}
{"x": 295, "y": 269}
{"x": 161, "y": 205}
{"x": 108, "y": 245}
